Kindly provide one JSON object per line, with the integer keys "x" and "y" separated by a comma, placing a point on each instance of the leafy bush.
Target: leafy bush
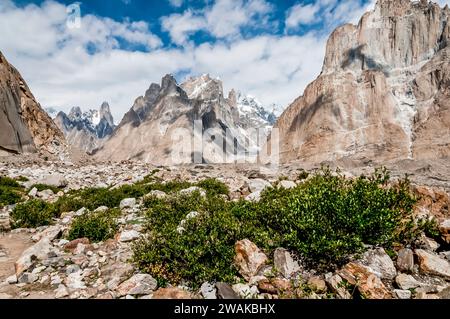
{"x": 32, "y": 214}
{"x": 325, "y": 220}
{"x": 10, "y": 191}
{"x": 97, "y": 226}
{"x": 213, "y": 187}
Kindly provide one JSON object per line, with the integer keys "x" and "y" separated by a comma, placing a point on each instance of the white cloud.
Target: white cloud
{"x": 301, "y": 14}
{"x": 176, "y": 3}
{"x": 224, "y": 19}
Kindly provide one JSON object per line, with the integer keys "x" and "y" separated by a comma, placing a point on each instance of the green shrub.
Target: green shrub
{"x": 213, "y": 187}
{"x": 10, "y": 191}
{"x": 325, "y": 220}
{"x": 97, "y": 226}
{"x": 32, "y": 214}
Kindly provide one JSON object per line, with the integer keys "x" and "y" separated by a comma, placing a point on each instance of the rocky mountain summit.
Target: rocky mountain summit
{"x": 383, "y": 92}
{"x": 161, "y": 124}
{"x": 24, "y": 126}
{"x": 86, "y": 131}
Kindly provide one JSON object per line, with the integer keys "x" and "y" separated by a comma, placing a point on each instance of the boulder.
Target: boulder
{"x": 406, "y": 282}
{"x": 157, "y": 194}
{"x": 249, "y": 259}
{"x": 128, "y": 235}
{"x": 402, "y": 294}
{"x": 405, "y": 260}
{"x": 287, "y": 184}
{"x": 432, "y": 264}
{"x": 317, "y": 284}
{"x": 284, "y": 263}
{"x": 368, "y": 282}
{"x": 380, "y": 263}
{"x": 127, "y": 203}
{"x": 38, "y": 251}
{"x": 258, "y": 185}
{"x": 72, "y": 245}
{"x": 444, "y": 228}
{"x": 208, "y": 291}
{"x": 140, "y": 284}
{"x": 337, "y": 285}
{"x": 56, "y": 180}
{"x": 245, "y": 291}
{"x": 224, "y": 291}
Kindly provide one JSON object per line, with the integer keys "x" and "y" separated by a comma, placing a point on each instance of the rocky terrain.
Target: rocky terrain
{"x": 383, "y": 92}
{"x": 42, "y": 263}
{"x": 25, "y": 126}
{"x": 86, "y": 131}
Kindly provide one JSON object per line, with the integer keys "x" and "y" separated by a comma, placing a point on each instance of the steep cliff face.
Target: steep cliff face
{"x": 24, "y": 125}
{"x": 383, "y": 92}
{"x": 86, "y": 131}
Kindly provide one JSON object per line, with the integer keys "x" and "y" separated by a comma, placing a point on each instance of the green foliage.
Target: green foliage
{"x": 10, "y": 191}
{"x": 213, "y": 187}
{"x": 32, "y": 214}
{"x": 43, "y": 187}
{"x": 326, "y": 220}
{"x": 97, "y": 226}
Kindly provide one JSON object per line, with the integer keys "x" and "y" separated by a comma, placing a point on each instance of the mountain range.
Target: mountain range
{"x": 383, "y": 94}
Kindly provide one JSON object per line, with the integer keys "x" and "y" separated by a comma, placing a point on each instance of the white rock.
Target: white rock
{"x": 11, "y": 279}
{"x": 128, "y": 235}
{"x": 38, "y": 251}
{"x": 402, "y": 294}
{"x": 433, "y": 264}
{"x": 258, "y": 185}
{"x": 33, "y": 192}
{"x": 128, "y": 203}
{"x": 140, "y": 284}
{"x": 284, "y": 263}
{"x": 193, "y": 189}
{"x": 406, "y": 282}
{"x": 380, "y": 263}
{"x": 56, "y": 180}
{"x": 61, "y": 292}
{"x": 208, "y": 291}
{"x": 287, "y": 184}
{"x": 254, "y": 197}
{"x": 101, "y": 209}
{"x": 245, "y": 291}
{"x": 157, "y": 194}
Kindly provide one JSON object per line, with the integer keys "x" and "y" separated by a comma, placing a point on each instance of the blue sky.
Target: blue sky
{"x": 269, "y": 49}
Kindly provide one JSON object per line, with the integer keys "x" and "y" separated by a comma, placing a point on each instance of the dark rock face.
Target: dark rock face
{"x": 24, "y": 125}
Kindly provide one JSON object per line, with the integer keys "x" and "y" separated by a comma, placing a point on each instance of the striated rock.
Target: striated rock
{"x": 284, "y": 263}
{"x": 249, "y": 258}
{"x": 382, "y": 93}
{"x": 380, "y": 263}
{"x": 433, "y": 264}
{"x": 171, "y": 293}
{"x": 368, "y": 283}
{"x": 24, "y": 126}
{"x": 405, "y": 260}
{"x": 140, "y": 284}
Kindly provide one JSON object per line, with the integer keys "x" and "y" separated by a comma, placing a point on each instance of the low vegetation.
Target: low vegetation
{"x": 97, "y": 226}
{"x": 325, "y": 220}
{"x": 10, "y": 191}
{"x": 32, "y": 214}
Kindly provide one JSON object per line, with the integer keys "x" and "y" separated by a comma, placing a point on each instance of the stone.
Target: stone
{"x": 380, "y": 263}
{"x": 406, "y": 282}
{"x": 72, "y": 269}
{"x": 405, "y": 260}
{"x": 191, "y": 190}
{"x": 208, "y": 291}
{"x": 128, "y": 235}
{"x": 181, "y": 227}
{"x": 337, "y": 285}
{"x": 171, "y": 293}
{"x": 101, "y": 209}
{"x": 140, "y": 284}
{"x": 428, "y": 244}
{"x": 27, "y": 278}
{"x": 156, "y": 194}
{"x": 368, "y": 282}
{"x": 258, "y": 185}
{"x": 284, "y": 263}
{"x": 433, "y": 264}
{"x": 224, "y": 291}
{"x": 75, "y": 280}
{"x": 61, "y": 292}
{"x": 245, "y": 291}
{"x": 444, "y": 228}
{"x": 50, "y": 233}
{"x": 38, "y": 251}
{"x": 12, "y": 279}
{"x": 117, "y": 273}
{"x": 5, "y": 296}
{"x": 33, "y": 192}
{"x": 81, "y": 211}
{"x": 287, "y": 184}
{"x": 254, "y": 197}
{"x": 445, "y": 293}
{"x": 317, "y": 284}
{"x": 56, "y": 180}
{"x": 249, "y": 259}
{"x": 127, "y": 203}
{"x": 72, "y": 245}
{"x": 402, "y": 294}
{"x": 46, "y": 194}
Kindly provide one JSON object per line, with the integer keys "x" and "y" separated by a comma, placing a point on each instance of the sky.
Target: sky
{"x": 86, "y": 52}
